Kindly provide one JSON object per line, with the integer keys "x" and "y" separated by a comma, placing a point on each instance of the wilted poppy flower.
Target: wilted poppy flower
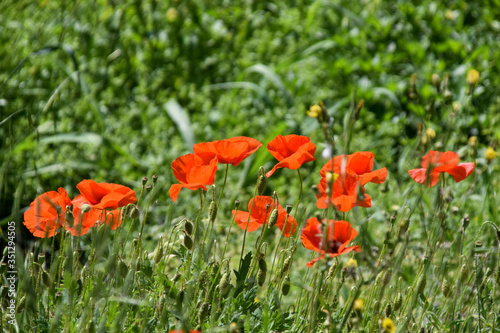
{"x": 85, "y": 216}
{"x": 435, "y": 162}
{"x": 106, "y": 195}
{"x": 292, "y": 151}
{"x": 47, "y": 213}
{"x": 229, "y": 151}
{"x": 193, "y": 172}
{"x": 260, "y": 215}
{"x": 337, "y": 239}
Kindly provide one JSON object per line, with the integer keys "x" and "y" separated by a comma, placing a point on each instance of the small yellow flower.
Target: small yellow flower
{"x": 358, "y": 304}
{"x": 388, "y": 325}
{"x": 472, "y": 77}
{"x": 456, "y": 106}
{"x": 314, "y": 111}
{"x": 472, "y": 141}
{"x": 352, "y": 262}
{"x": 172, "y": 14}
{"x": 490, "y": 154}
{"x": 431, "y": 133}
{"x": 233, "y": 327}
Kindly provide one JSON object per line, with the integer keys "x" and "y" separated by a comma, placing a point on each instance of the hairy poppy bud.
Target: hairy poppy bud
{"x": 285, "y": 287}
{"x": 286, "y": 265}
{"x": 225, "y": 284}
{"x": 46, "y": 279}
{"x": 445, "y": 288}
{"x": 263, "y": 264}
{"x": 273, "y": 219}
{"x": 188, "y": 242}
{"x": 388, "y": 310}
{"x": 203, "y": 312}
{"x": 188, "y": 227}
{"x": 159, "y": 251}
{"x": 261, "y": 277}
{"x": 436, "y": 81}
{"x": 261, "y": 184}
{"x": 398, "y": 302}
{"x": 213, "y": 210}
{"x": 134, "y": 213}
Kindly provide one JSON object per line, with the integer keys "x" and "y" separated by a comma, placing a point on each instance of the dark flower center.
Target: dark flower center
{"x": 333, "y": 246}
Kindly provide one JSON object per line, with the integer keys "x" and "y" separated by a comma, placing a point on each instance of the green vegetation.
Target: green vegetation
{"x": 116, "y": 90}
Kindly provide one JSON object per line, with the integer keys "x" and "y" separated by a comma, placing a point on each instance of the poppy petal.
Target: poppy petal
{"x": 174, "y": 191}
{"x": 377, "y": 177}
{"x": 243, "y": 218}
{"x": 461, "y": 171}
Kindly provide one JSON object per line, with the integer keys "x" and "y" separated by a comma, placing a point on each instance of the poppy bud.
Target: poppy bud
{"x": 263, "y": 264}
{"x": 465, "y": 221}
{"x": 387, "y": 276}
{"x": 436, "y": 81}
{"x": 421, "y": 284}
{"x": 155, "y": 179}
{"x": 85, "y": 208}
{"x": 144, "y": 181}
{"x": 388, "y": 310}
{"x": 203, "y": 312}
{"x": 188, "y": 242}
{"x": 398, "y": 302}
{"x": 159, "y": 251}
{"x": 332, "y": 270}
{"x": 41, "y": 258}
{"x": 273, "y": 219}
{"x": 286, "y": 265}
{"x": 46, "y": 279}
{"x": 261, "y": 184}
{"x": 261, "y": 277}
{"x": 403, "y": 226}
{"x": 236, "y": 204}
{"x": 134, "y": 213}
{"x": 225, "y": 284}
{"x": 213, "y": 210}
{"x": 148, "y": 187}
{"x": 285, "y": 287}
{"x": 288, "y": 208}
{"x": 445, "y": 288}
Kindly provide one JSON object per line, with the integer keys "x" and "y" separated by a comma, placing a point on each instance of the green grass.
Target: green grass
{"x": 114, "y": 91}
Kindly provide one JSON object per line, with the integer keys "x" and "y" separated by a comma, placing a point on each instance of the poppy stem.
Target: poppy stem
{"x": 246, "y": 228}
{"x": 223, "y": 185}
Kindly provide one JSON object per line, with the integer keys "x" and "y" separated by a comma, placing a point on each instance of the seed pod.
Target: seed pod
{"x": 445, "y": 288}
{"x": 285, "y": 287}
{"x": 188, "y": 227}
{"x": 463, "y": 275}
{"x": 46, "y": 279}
{"x": 225, "y": 284}
{"x": 236, "y": 204}
{"x": 332, "y": 270}
{"x": 273, "y": 219}
{"x": 398, "y": 302}
{"x": 387, "y": 277}
{"x": 261, "y": 277}
{"x": 188, "y": 242}
{"x": 465, "y": 221}
{"x": 261, "y": 184}
{"x": 21, "y": 304}
{"x": 288, "y": 208}
{"x": 388, "y": 310}
{"x": 144, "y": 181}
{"x": 155, "y": 179}
{"x": 213, "y": 210}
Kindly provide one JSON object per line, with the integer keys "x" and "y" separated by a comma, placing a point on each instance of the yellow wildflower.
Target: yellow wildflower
{"x": 388, "y": 325}
{"x": 358, "y": 304}
{"x": 352, "y": 262}
{"x": 314, "y": 111}
{"x": 490, "y": 154}
{"x": 431, "y": 133}
{"x": 472, "y": 77}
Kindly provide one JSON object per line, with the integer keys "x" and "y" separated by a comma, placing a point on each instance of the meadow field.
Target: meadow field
{"x": 249, "y": 166}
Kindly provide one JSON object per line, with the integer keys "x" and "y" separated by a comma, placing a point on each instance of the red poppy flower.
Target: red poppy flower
{"x": 347, "y": 192}
{"x": 193, "y": 172}
{"x": 87, "y": 217}
{"x": 260, "y": 215}
{"x": 106, "y": 195}
{"x": 360, "y": 164}
{"x": 351, "y": 175}
{"x": 230, "y": 151}
{"x": 292, "y": 151}
{"x": 42, "y": 218}
{"x": 337, "y": 240}
{"x": 435, "y": 162}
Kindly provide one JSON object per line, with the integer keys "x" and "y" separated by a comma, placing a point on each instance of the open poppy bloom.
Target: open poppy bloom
{"x": 350, "y": 177}
{"x": 47, "y": 213}
{"x": 435, "y": 162}
{"x": 291, "y": 151}
{"x": 106, "y": 195}
{"x": 337, "y": 239}
{"x": 193, "y": 172}
{"x": 85, "y": 216}
{"x": 230, "y": 151}
{"x": 259, "y": 215}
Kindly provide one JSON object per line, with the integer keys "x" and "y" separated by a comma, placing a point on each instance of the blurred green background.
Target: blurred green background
{"x": 115, "y": 90}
